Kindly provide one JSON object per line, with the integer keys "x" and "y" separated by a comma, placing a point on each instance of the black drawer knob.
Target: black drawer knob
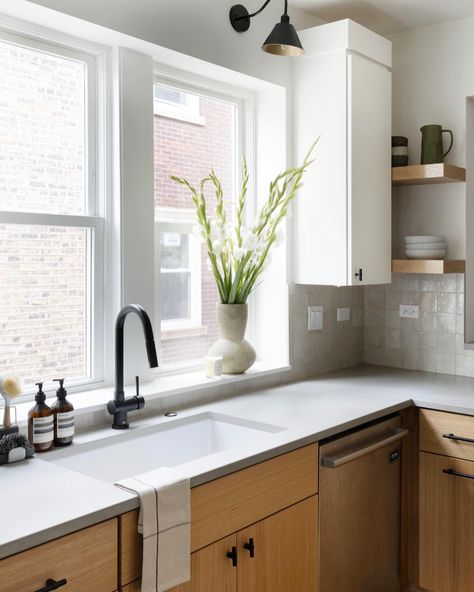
{"x": 233, "y": 555}
{"x": 250, "y": 546}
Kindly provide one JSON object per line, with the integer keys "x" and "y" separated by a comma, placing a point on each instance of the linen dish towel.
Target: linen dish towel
{"x": 165, "y": 523}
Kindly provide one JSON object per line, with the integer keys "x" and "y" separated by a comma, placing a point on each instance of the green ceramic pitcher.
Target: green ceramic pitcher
{"x": 432, "y": 143}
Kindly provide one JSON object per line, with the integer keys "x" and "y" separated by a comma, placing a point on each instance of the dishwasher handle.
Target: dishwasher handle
{"x": 332, "y": 462}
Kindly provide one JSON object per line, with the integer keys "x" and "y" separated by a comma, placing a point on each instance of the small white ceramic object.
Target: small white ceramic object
{"x": 424, "y": 239}
{"x": 214, "y": 366}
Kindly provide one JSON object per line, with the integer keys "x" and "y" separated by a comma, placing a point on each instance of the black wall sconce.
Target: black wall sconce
{"x": 283, "y": 40}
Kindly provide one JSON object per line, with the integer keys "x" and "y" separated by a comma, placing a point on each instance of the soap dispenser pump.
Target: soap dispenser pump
{"x": 63, "y": 417}
{"x": 41, "y": 422}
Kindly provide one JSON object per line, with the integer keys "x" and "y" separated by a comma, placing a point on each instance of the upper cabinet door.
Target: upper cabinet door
{"x": 369, "y": 165}
{"x": 342, "y": 214}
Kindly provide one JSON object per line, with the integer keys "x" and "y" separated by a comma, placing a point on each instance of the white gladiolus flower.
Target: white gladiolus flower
{"x": 244, "y": 251}
{"x": 249, "y": 240}
{"x": 217, "y": 246}
{"x": 279, "y": 237}
{"x": 198, "y": 232}
{"x": 239, "y": 253}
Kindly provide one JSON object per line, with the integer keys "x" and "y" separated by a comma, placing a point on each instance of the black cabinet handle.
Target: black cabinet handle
{"x": 458, "y": 474}
{"x": 359, "y": 274}
{"x": 53, "y": 585}
{"x": 233, "y": 555}
{"x": 250, "y": 546}
{"x": 459, "y": 438}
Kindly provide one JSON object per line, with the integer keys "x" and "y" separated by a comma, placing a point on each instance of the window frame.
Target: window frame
{"x": 96, "y": 184}
{"x": 194, "y": 321}
{"x": 244, "y": 146}
{"x": 188, "y": 111}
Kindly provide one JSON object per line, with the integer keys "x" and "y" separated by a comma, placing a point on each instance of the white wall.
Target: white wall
{"x": 433, "y": 73}
{"x": 200, "y": 28}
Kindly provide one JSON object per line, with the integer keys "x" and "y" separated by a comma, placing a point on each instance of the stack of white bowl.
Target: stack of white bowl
{"x": 425, "y": 247}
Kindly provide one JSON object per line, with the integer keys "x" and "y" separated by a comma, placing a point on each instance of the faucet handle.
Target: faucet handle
{"x": 140, "y": 400}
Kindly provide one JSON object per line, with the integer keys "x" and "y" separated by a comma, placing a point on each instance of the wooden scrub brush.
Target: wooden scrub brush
{"x": 10, "y": 388}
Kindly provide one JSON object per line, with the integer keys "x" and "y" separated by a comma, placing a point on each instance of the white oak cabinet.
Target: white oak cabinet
{"x": 342, "y": 214}
{"x": 255, "y": 530}
{"x": 446, "y": 526}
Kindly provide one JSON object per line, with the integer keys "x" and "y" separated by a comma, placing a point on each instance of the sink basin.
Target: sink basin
{"x": 138, "y": 450}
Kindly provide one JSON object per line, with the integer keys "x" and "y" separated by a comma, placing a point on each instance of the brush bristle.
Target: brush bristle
{"x": 11, "y": 387}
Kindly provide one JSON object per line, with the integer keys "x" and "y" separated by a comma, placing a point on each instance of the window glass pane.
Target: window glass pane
{"x": 175, "y": 296}
{"x": 191, "y": 150}
{"x": 42, "y": 130}
{"x": 170, "y": 95}
{"x": 43, "y": 309}
{"x": 174, "y": 250}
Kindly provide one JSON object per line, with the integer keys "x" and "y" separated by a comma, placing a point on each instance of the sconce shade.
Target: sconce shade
{"x": 283, "y": 40}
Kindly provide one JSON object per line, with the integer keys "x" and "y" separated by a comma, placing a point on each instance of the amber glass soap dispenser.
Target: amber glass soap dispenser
{"x": 41, "y": 423}
{"x": 63, "y": 417}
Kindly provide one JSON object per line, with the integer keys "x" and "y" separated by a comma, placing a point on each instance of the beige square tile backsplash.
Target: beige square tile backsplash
{"x": 435, "y": 341}
{"x": 338, "y": 344}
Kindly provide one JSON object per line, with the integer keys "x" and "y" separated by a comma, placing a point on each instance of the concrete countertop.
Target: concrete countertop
{"x": 40, "y": 499}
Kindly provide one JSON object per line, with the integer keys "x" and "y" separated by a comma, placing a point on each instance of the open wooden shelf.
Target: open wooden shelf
{"x": 425, "y": 174}
{"x": 438, "y": 266}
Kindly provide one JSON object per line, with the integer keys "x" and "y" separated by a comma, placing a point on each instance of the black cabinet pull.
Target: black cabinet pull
{"x": 53, "y": 585}
{"x": 458, "y": 474}
{"x": 233, "y": 555}
{"x": 359, "y": 274}
{"x": 250, "y": 546}
{"x": 459, "y": 438}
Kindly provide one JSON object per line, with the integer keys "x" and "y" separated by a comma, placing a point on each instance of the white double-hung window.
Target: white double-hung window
{"x": 51, "y": 213}
{"x": 196, "y": 129}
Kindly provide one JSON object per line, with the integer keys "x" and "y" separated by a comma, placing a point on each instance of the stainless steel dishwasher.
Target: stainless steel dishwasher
{"x": 359, "y": 503}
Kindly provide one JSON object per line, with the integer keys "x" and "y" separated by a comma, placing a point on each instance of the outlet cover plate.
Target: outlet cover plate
{"x": 344, "y": 314}
{"x": 315, "y": 318}
{"x": 409, "y": 311}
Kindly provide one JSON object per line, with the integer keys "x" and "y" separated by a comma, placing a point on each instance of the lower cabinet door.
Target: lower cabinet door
{"x": 85, "y": 560}
{"x": 212, "y": 570}
{"x": 279, "y": 554}
{"x": 446, "y": 523}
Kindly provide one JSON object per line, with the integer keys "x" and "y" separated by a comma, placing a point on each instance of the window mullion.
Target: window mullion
{"x": 29, "y": 218}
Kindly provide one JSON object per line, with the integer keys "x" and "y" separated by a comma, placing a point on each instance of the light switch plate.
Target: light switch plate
{"x": 315, "y": 318}
{"x": 409, "y": 311}
{"x": 344, "y": 314}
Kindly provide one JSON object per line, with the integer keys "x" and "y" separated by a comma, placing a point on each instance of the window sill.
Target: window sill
{"x": 162, "y": 387}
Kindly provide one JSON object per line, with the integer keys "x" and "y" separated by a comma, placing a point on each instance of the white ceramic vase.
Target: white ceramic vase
{"x": 237, "y": 353}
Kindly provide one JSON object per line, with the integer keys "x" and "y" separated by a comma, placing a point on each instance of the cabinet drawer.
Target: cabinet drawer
{"x": 228, "y": 504}
{"x": 446, "y": 523}
{"x": 436, "y": 426}
{"x": 87, "y": 559}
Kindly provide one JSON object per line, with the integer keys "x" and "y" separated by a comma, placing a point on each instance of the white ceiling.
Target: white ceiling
{"x": 388, "y": 16}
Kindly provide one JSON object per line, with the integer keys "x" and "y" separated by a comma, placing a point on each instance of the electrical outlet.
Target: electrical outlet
{"x": 409, "y": 311}
{"x": 344, "y": 314}
{"x": 315, "y": 318}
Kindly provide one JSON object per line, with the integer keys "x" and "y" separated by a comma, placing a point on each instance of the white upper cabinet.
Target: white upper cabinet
{"x": 342, "y": 214}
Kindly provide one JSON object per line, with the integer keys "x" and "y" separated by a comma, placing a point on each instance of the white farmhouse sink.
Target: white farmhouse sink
{"x": 138, "y": 450}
